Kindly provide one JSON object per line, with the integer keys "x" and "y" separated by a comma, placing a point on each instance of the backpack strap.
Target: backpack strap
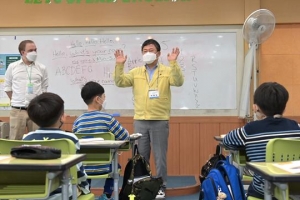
{"x": 218, "y": 150}
{"x": 135, "y": 150}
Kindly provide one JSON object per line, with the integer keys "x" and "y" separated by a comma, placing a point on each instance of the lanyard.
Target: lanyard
{"x": 29, "y": 74}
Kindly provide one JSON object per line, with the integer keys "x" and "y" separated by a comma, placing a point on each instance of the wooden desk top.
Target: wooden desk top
{"x": 7, "y": 162}
{"x": 272, "y": 173}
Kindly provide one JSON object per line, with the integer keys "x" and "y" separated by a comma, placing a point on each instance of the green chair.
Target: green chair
{"x": 282, "y": 150}
{"x": 97, "y": 156}
{"x": 35, "y": 184}
{"x": 253, "y": 198}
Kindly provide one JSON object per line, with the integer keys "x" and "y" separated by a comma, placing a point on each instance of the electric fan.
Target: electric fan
{"x": 257, "y": 28}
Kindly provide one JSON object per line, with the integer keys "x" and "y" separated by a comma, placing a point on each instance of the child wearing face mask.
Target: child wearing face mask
{"x": 96, "y": 121}
{"x": 270, "y": 100}
{"x": 50, "y": 121}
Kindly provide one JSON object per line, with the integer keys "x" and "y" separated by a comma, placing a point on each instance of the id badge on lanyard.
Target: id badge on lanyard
{"x": 30, "y": 88}
{"x": 29, "y": 85}
{"x": 153, "y": 94}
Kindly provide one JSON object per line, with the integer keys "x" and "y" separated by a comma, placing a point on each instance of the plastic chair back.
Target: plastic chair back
{"x": 97, "y": 156}
{"x": 32, "y": 184}
{"x": 282, "y": 150}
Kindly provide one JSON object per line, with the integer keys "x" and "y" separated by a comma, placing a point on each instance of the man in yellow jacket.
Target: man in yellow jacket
{"x": 152, "y": 101}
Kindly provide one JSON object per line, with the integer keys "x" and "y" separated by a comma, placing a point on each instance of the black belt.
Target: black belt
{"x": 20, "y": 108}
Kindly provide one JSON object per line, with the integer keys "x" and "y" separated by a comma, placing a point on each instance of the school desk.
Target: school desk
{"x": 272, "y": 174}
{"x": 114, "y": 145}
{"x": 238, "y": 155}
{"x": 63, "y": 164}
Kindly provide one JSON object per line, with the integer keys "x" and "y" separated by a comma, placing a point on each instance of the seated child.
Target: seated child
{"x": 95, "y": 121}
{"x": 47, "y": 111}
{"x": 270, "y": 100}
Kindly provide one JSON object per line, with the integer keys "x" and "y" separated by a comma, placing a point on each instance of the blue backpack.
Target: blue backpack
{"x": 224, "y": 178}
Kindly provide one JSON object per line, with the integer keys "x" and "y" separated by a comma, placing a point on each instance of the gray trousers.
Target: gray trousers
{"x": 155, "y": 134}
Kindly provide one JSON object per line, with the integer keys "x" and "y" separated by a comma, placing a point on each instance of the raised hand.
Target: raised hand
{"x": 120, "y": 58}
{"x": 174, "y": 54}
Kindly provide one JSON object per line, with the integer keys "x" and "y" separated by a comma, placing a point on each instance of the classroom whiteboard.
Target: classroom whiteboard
{"x": 208, "y": 61}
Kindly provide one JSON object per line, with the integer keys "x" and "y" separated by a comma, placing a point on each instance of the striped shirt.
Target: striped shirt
{"x": 255, "y": 135}
{"x": 51, "y": 133}
{"x": 99, "y": 122}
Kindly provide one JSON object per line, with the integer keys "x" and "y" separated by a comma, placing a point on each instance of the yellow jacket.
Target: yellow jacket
{"x": 163, "y": 77}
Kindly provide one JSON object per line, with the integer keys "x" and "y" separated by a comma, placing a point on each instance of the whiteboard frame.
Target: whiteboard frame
{"x": 142, "y": 30}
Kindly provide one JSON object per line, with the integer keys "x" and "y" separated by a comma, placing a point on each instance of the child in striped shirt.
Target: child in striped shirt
{"x": 95, "y": 121}
{"x": 270, "y": 100}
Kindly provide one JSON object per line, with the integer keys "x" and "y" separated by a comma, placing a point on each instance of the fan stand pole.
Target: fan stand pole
{"x": 254, "y": 74}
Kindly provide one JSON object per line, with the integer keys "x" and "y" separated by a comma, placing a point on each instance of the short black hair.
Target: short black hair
{"x": 271, "y": 98}
{"x": 151, "y": 41}
{"x": 45, "y": 109}
{"x": 90, "y": 90}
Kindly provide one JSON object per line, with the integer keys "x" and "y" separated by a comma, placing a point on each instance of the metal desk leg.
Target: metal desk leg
{"x": 74, "y": 192}
{"x": 267, "y": 191}
{"x": 230, "y": 157}
{"x": 116, "y": 175}
{"x": 132, "y": 147}
{"x": 65, "y": 184}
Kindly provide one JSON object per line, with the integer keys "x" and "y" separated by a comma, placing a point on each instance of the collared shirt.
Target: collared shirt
{"x": 151, "y": 71}
{"x": 17, "y": 77}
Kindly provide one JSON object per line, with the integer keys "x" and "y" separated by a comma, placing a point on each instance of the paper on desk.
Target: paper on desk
{"x": 4, "y": 157}
{"x": 292, "y": 167}
{"x": 88, "y": 140}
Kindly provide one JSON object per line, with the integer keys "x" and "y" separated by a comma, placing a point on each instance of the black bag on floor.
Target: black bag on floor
{"x": 138, "y": 180}
{"x": 211, "y": 163}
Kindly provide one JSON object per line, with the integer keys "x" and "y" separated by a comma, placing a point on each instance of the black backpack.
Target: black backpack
{"x": 138, "y": 180}
{"x": 211, "y": 163}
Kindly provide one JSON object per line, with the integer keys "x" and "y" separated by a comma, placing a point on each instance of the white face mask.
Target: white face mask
{"x": 259, "y": 115}
{"x": 103, "y": 105}
{"x": 31, "y": 56}
{"x": 149, "y": 57}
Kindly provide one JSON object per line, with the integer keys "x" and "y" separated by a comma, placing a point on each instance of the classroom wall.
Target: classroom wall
{"x": 17, "y": 13}
{"x": 280, "y": 62}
